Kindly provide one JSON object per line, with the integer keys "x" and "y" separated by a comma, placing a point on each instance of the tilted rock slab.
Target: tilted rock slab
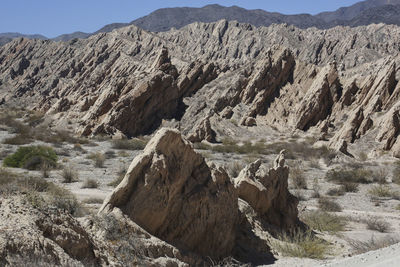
{"x": 171, "y": 192}
{"x": 267, "y": 193}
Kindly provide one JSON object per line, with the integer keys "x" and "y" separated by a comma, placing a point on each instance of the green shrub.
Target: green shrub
{"x": 31, "y": 157}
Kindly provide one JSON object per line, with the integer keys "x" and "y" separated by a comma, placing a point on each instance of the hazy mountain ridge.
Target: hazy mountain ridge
{"x": 362, "y": 13}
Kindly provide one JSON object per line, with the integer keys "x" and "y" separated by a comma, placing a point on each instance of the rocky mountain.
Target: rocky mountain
{"x": 362, "y": 13}
{"x": 9, "y": 36}
{"x": 212, "y": 80}
{"x": 349, "y": 13}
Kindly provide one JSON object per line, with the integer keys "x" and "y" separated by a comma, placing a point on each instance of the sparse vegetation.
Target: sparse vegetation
{"x": 298, "y": 178}
{"x": 323, "y": 221}
{"x": 381, "y": 191}
{"x": 120, "y": 176}
{"x": 336, "y": 191}
{"x": 69, "y": 175}
{"x": 234, "y": 168}
{"x": 132, "y": 144}
{"x": 376, "y": 224}
{"x": 345, "y": 176}
{"x": 93, "y": 200}
{"x": 98, "y": 159}
{"x": 31, "y": 158}
{"x": 360, "y": 247}
{"x": 90, "y": 183}
{"x": 327, "y": 204}
{"x": 302, "y": 245}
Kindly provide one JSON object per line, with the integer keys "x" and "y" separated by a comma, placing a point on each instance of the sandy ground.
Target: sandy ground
{"x": 357, "y": 207}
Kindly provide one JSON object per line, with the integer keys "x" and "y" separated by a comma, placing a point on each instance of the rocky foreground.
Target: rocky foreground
{"x": 171, "y": 208}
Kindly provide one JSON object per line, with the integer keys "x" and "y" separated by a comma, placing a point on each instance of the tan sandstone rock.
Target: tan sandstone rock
{"x": 171, "y": 192}
{"x": 267, "y": 193}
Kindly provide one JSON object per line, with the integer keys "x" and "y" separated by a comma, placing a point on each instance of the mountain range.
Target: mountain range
{"x": 362, "y": 13}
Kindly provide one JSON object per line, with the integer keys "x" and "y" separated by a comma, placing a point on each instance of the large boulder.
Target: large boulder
{"x": 171, "y": 192}
{"x": 266, "y": 191}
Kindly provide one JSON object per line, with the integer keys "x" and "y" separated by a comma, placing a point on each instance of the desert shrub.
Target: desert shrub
{"x": 45, "y": 169}
{"x": 327, "y": 204}
{"x": 343, "y": 176}
{"x": 380, "y": 176}
{"x": 376, "y": 224}
{"x": 126, "y": 144}
{"x": 123, "y": 153}
{"x": 234, "y": 168}
{"x": 18, "y": 140}
{"x": 349, "y": 187}
{"x": 98, "y": 159}
{"x": 120, "y": 176}
{"x": 110, "y": 154}
{"x": 90, "y": 183}
{"x": 5, "y": 153}
{"x": 69, "y": 175}
{"x": 380, "y": 191}
{"x": 396, "y": 173}
{"x": 63, "y": 199}
{"x": 31, "y": 157}
{"x": 360, "y": 247}
{"x": 299, "y": 195}
{"x": 93, "y": 200}
{"x": 302, "y": 245}
{"x": 323, "y": 221}
{"x": 297, "y": 177}
{"x": 362, "y": 156}
{"x": 336, "y": 191}
{"x": 316, "y": 189}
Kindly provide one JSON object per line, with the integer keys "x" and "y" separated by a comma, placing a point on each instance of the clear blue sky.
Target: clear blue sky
{"x": 55, "y": 17}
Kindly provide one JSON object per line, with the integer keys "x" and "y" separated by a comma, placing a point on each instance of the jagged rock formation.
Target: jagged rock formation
{"x": 49, "y": 239}
{"x": 212, "y": 79}
{"x": 266, "y": 191}
{"x": 171, "y": 192}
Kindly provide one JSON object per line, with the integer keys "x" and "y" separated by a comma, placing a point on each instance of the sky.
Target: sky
{"x": 54, "y": 17}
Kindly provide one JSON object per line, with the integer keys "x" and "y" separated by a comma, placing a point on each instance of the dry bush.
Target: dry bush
{"x": 93, "y": 200}
{"x": 110, "y": 154}
{"x": 323, "y": 221}
{"x": 349, "y": 187}
{"x": 123, "y": 154}
{"x": 90, "y": 183}
{"x": 132, "y": 144}
{"x": 234, "y": 168}
{"x": 381, "y": 191}
{"x": 336, "y": 191}
{"x": 327, "y": 204}
{"x": 376, "y": 224}
{"x": 98, "y": 159}
{"x": 120, "y": 176}
{"x": 316, "y": 189}
{"x": 298, "y": 178}
{"x": 362, "y": 156}
{"x": 380, "y": 176}
{"x": 344, "y": 176}
{"x": 69, "y": 175}
{"x": 360, "y": 247}
{"x": 396, "y": 173}
{"x": 302, "y": 245}
{"x": 299, "y": 195}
